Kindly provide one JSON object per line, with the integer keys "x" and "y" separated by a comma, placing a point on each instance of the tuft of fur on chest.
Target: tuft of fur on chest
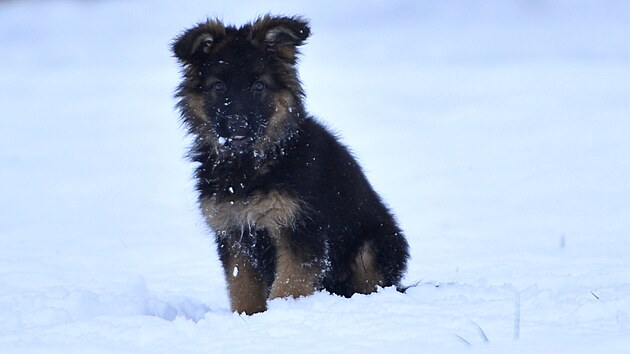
{"x": 271, "y": 210}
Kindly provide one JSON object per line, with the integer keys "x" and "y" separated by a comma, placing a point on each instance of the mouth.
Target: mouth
{"x": 238, "y": 142}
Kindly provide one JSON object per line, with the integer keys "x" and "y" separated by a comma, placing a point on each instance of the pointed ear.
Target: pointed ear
{"x": 194, "y": 44}
{"x": 281, "y": 34}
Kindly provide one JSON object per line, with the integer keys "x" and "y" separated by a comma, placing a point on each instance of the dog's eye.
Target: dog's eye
{"x": 219, "y": 86}
{"x": 258, "y": 86}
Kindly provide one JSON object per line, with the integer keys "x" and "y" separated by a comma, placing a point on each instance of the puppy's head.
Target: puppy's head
{"x": 241, "y": 91}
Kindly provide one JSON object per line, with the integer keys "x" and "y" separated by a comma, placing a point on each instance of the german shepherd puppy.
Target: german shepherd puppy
{"x": 291, "y": 209}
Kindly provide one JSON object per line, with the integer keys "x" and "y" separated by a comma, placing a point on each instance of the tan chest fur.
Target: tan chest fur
{"x": 271, "y": 211}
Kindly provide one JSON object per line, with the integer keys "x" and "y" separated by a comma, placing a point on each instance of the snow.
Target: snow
{"x": 498, "y": 132}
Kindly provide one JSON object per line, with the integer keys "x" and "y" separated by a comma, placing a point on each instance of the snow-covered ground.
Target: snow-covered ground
{"x": 498, "y": 132}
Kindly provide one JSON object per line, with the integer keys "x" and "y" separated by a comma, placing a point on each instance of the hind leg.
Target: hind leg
{"x": 366, "y": 275}
{"x": 380, "y": 262}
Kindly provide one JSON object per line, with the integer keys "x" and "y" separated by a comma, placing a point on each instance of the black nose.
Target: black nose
{"x": 238, "y": 126}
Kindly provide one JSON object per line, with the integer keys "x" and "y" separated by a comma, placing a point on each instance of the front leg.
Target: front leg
{"x": 246, "y": 287}
{"x": 298, "y": 270}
